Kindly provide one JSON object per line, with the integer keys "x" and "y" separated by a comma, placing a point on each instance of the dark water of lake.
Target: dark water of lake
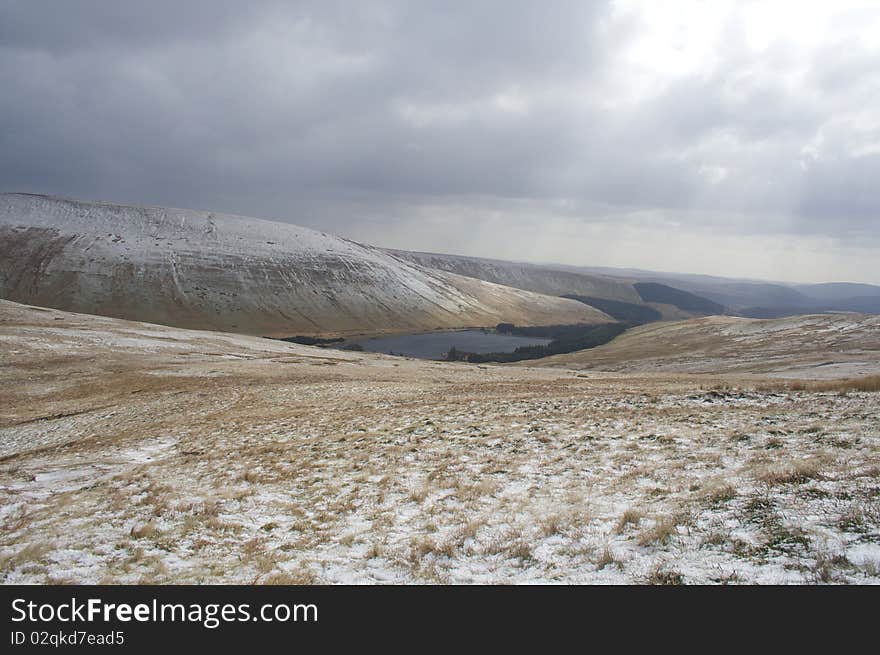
{"x": 433, "y": 345}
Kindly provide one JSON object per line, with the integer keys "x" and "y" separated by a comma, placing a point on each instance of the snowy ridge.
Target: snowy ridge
{"x": 530, "y": 277}
{"x": 216, "y": 271}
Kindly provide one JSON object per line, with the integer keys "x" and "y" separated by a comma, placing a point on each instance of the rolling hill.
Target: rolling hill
{"x": 198, "y": 269}
{"x": 816, "y": 346}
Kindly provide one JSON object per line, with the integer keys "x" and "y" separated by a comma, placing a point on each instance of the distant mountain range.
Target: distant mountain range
{"x": 744, "y": 297}
{"x": 752, "y": 298}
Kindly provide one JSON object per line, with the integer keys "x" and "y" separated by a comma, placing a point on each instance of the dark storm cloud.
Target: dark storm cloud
{"x": 62, "y": 27}
{"x": 291, "y": 109}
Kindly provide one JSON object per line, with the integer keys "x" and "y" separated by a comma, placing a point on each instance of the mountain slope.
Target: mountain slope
{"x": 199, "y": 269}
{"x": 530, "y": 277}
{"x": 732, "y": 293}
{"x": 622, "y": 311}
{"x": 654, "y": 292}
{"x": 831, "y": 292}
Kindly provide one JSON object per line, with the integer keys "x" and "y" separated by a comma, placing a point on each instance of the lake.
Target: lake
{"x": 433, "y": 345}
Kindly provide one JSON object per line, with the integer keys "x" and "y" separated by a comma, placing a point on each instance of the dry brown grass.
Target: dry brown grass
{"x": 421, "y": 547}
{"x": 828, "y": 567}
{"x": 630, "y": 517}
{"x": 553, "y": 524}
{"x": 719, "y": 492}
{"x": 607, "y": 558}
{"x": 661, "y": 533}
{"x": 796, "y": 472}
{"x": 301, "y": 576}
{"x": 521, "y": 550}
{"x": 32, "y": 554}
{"x": 662, "y": 576}
{"x": 867, "y": 383}
{"x": 144, "y": 531}
{"x": 419, "y": 495}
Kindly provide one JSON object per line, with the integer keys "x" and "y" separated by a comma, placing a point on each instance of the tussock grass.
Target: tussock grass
{"x": 828, "y": 567}
{"x": 868, "y": 383}
{"x": 662, "y": 576}
{"x": 299, "y": 577}
{"x": 374, "y": 551}
{"x": 607, "y": 558}
{"x": 859, "y": 518}
{"x": 796, "y": 472}
{"x": 661, "y": 533}
{"x": 32, "y": 554}
{"x": 144, "y": 531}
{"x": 521, "y": 550}
{"x": 630, "y": 517}
{"x": 513, "y": 544}
{"x": 718, "y": 493}
{"x": 422, "y": 547}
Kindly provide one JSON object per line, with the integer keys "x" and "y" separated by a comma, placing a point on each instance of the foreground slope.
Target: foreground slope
{"x": 215, "y": 271}
{"x": 141, "y": 453}
{"x": 817, "y": 346}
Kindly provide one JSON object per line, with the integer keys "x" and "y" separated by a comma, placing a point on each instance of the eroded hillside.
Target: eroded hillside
{"x": 206, "y": 270}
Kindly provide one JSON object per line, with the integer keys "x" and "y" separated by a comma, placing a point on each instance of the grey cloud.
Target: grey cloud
{"x": 84, "y": 25}
{"x": 290, "y": 110}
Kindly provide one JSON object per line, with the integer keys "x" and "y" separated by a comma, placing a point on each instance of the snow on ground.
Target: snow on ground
{"x": 171, "y": 461}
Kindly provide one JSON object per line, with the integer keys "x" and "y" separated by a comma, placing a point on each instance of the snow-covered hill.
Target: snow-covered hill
{"x": 200, "y": 269}
{"x": 530, "y": 277}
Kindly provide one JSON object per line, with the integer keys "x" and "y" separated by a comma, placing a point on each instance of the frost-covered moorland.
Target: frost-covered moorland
{"x": 138, "y": 453}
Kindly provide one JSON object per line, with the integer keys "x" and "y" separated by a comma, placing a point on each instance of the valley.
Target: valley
{"x": 151, "y": 433}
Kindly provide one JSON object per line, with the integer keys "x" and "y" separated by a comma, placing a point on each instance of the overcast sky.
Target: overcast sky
{"x": 735, "y": 138}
